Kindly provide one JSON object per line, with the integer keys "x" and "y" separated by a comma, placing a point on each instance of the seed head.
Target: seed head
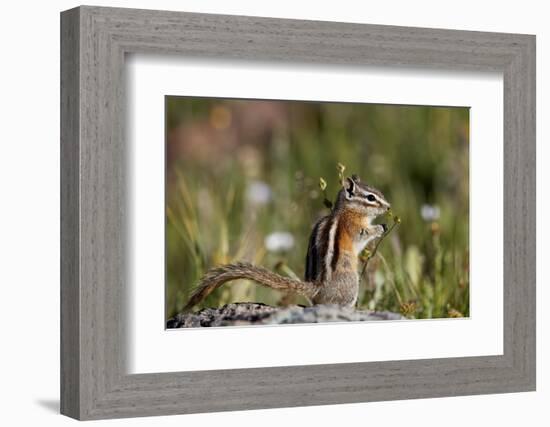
{"x": 322, "y": 184}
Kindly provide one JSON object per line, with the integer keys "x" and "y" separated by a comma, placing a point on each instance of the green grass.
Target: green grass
{"x": 415, "y": 155}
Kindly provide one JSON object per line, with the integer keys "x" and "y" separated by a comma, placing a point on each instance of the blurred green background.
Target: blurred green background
{"x": 242, "y": 183}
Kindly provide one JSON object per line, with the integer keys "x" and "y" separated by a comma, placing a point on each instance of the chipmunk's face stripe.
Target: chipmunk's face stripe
{"x": 381, "y": 201}
{"x": 366, "y": 195}
{"x": 370, "y": 200}
{"x": 385, "y": 204}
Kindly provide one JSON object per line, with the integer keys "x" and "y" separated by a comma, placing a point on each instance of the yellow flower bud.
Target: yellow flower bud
{"x": 322, "y": 184}
{"x": 364, "y": 255}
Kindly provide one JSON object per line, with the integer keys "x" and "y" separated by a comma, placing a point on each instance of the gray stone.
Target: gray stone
{"x": 251, "y": 313}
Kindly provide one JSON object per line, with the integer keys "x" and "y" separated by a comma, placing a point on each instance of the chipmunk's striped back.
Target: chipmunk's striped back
{"x": 321, "y": 249}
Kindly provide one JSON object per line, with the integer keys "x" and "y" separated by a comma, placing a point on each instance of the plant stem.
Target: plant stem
{"x": 376, "y": 248}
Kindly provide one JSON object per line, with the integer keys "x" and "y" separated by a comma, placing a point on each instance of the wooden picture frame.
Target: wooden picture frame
{"x": 94, "y": 41}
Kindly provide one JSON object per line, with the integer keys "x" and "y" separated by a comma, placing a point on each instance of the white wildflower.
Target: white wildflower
{"x": 429, "y": 213}
{"x": 258, "y": 193}
{"x": 279, "y": 241}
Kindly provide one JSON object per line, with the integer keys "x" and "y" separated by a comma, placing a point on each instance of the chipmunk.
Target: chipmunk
{"x": 335, "y": 243}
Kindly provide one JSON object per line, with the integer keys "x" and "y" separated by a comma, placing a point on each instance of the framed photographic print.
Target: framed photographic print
{"x": 347, "y": 211}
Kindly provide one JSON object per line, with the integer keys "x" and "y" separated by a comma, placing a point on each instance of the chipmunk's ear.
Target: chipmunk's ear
{"x": 355, "y": 178}
{"x": 349, "y": 186}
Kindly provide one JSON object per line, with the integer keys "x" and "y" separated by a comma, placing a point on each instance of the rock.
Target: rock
{"x": 252, "y": 313}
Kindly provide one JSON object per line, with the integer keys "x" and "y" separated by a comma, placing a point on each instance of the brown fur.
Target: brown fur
{"x": 331, "y": 263}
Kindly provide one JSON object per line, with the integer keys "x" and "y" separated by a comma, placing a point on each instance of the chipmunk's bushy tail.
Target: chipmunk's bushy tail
{"x": 216, "y": 277}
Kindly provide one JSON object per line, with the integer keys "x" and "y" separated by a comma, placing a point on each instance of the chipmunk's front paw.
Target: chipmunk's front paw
{"x": 380, "y": 230}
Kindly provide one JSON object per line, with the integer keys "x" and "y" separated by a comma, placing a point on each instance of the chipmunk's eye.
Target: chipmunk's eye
{"x": 371, "y": 198}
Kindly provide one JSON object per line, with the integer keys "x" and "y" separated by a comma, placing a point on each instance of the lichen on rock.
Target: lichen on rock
{"x": 250, "y": 313}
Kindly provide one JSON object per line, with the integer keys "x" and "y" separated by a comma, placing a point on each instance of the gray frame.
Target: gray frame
{"x": 94, "y": 42}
